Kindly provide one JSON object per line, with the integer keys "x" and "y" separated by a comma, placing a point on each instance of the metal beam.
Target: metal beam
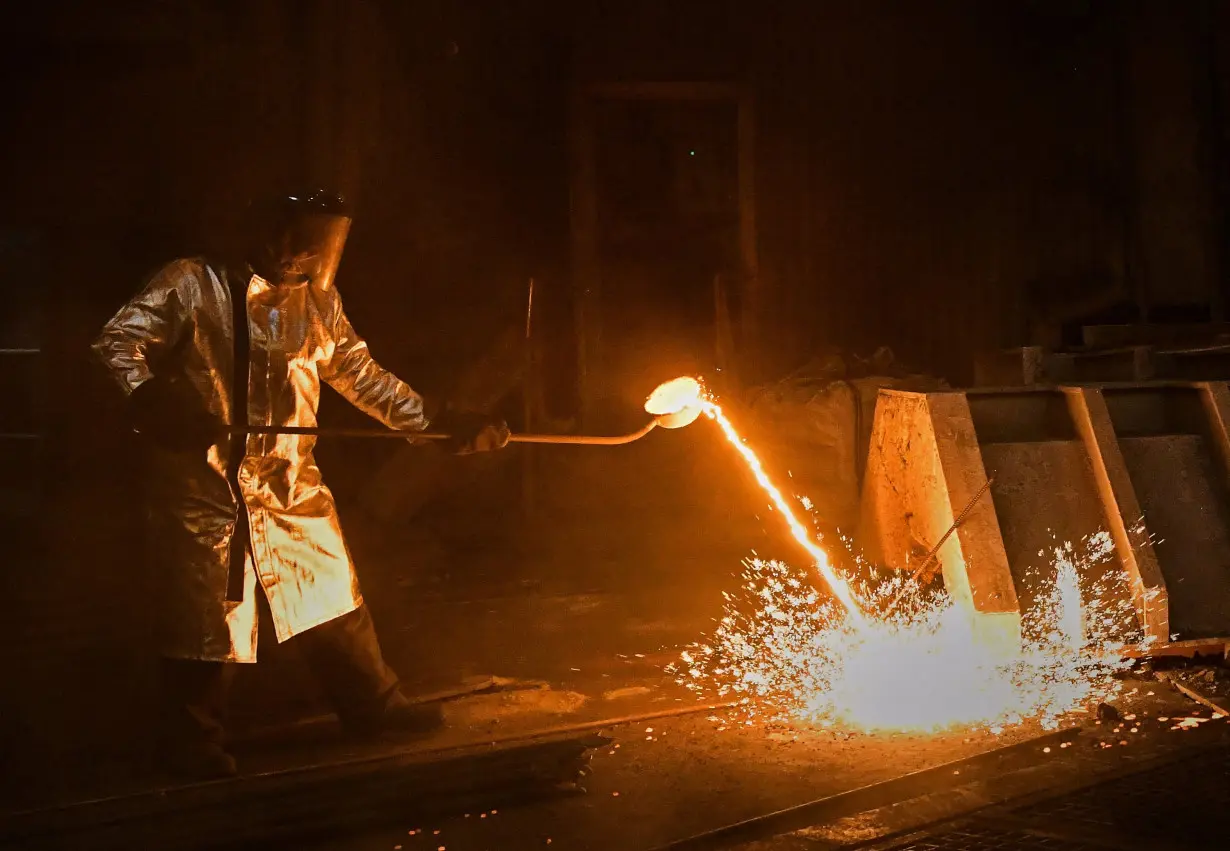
{"x": 1121, "y": 506}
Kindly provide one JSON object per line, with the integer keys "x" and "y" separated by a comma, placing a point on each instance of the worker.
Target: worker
{"x": 245, "y": 522}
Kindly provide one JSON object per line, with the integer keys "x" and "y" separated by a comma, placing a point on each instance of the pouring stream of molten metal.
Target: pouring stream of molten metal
{"x": 781, "y": 651}
{"x": 684, "y": 393}
{"x": 838, "y": 585}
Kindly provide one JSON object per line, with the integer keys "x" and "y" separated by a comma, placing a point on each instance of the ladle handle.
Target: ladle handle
{"x": 574, "y": 439}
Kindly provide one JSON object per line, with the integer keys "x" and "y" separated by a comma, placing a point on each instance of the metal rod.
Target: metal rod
{"x": 558, "y": 439}
{"x": 1173, "y": 681}
{"x": 921, "y": 575}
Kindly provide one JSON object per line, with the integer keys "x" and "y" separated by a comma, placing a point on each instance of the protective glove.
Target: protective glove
{"x": 470, "y": 432}
{"x": 171, "y": 415}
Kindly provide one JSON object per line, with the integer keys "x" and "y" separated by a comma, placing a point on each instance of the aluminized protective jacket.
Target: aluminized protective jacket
{"x": 180, "y": 325}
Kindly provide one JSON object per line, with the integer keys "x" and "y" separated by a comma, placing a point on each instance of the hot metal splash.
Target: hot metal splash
{"x": 883, "y": 654}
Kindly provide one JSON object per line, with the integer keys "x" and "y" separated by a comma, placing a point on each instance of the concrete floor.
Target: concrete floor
{"x": 672, "y": 778}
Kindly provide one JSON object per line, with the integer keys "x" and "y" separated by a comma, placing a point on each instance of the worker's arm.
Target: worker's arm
{"x": 133, "y": 341}
{"x": 132, "y": 347}
{"x": 352, "y": 371}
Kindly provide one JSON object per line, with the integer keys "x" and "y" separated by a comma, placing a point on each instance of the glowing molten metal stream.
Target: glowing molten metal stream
{"x": 858, "y": 661}
{"x": 838, "y": 585}
{"x": 685, "y": 395}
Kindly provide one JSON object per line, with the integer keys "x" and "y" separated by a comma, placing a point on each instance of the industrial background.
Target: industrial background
{"x": 784, "y": 181}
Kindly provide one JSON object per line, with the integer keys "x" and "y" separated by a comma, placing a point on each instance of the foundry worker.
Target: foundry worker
{"x": 240, "y": 521}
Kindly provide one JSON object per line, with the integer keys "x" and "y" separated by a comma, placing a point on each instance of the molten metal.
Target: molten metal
{"x": 677, "y": 403}
{"x": 841, "y": 590}
{"x": 786, "y": 652}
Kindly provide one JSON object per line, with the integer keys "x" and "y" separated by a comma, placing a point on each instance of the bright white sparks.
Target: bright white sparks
{"x": 837, "y": 584}
{"x": 886, "y": 655}
{"x": 789, "y": 654}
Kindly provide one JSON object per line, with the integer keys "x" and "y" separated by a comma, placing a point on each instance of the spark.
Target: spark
{"x": 785, "y": 651}
{"x": 820, "y": 558}
{"x": 794, "y": 656}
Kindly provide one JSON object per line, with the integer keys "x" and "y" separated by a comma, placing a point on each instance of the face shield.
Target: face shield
{"x": 315, "y": 242}
{"x": 306, "y": 236}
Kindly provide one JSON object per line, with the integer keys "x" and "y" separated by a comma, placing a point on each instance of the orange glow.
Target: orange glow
{"x": 784, "y": 651}
{"x": 820, "y": 559}
{"x": 674, "y": 396}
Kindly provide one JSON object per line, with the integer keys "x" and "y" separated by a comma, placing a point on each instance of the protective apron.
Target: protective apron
{"x": 180, "y": 326}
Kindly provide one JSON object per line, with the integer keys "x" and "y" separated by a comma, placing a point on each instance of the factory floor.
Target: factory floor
{"x": 671, "y": 772}
{"x": 663, "y": 781}
{"x": 576, "y": 626}
{"x": 1180, "y": 804}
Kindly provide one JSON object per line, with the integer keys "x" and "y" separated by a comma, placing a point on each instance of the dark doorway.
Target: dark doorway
{"x": 667, "y": 181}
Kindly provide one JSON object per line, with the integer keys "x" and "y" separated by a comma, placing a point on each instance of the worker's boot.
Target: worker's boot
{"x": 399, "y": 718}
{"x": 401, "y": 715}
{"x": 193, "y": 697}
{"x": 345, "y": 656}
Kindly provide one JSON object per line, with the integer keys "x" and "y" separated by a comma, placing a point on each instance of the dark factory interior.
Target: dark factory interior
{"x": 810, "y": 424}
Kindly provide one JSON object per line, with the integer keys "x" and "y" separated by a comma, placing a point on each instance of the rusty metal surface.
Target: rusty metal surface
{"x": 1184, "y": 502}
{"x": 1034, "y": 366}
{"x": 1044, "y": 495}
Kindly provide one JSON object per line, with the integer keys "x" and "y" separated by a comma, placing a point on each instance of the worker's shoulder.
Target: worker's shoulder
{"x": 185, "y": 270}
{"x": 326, "y": 298}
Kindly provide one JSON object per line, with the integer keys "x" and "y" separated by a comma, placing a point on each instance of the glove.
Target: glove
{"x": 470, "y": 432}
{"x": 170, "y": 414}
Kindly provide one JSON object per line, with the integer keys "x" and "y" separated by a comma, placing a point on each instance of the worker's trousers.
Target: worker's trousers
{"x": 343, "y": 655}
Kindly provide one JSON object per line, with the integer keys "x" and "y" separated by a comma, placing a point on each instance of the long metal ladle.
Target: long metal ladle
{"x": 688, "y": 407}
